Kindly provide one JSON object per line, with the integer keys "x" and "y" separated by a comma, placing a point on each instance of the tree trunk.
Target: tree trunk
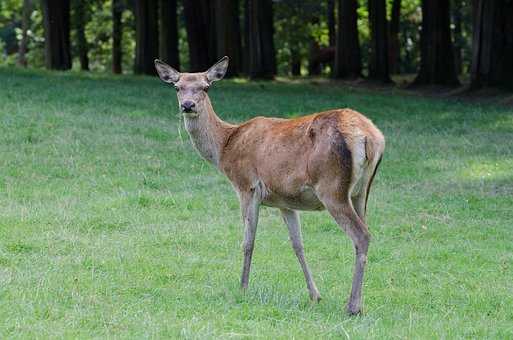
{"x": 378, "y": 58}
{"x": 200, "y": 34}
{"x": 168, "y": 31}
{"x": 295, "y": 63}
{"x": 228, "y": 34}
{"x": 331, "y": 23}
{"x": 56, "y": 25}
{"x": 117, "y": 36}
{"x": 146, "y": 36}
{"x": 314, "y": 66}
{"x": 394, "y": 46}
{"x": 245, "y": 38}
{"x": 82, "y": 46}
{"x": 262, "y": 62}
{"x": 25, "y": 24}
{"x": 348, "y": 62}
{"x": 492, "y": 50}
{"x": 458, "y": 36}
{"x": 436, "y": 54}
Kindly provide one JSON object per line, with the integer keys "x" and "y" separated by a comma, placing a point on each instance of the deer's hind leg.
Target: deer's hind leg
{"x": 359, "y": 200}
{"x": 340, "y": 206}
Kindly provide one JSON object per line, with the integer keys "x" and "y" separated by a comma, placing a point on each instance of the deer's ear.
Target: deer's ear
{"x": 218, "y": 71}
{"x": 166, "y": 72}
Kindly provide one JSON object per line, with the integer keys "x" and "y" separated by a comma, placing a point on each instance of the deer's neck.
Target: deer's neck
{"x": 208, "y": 132}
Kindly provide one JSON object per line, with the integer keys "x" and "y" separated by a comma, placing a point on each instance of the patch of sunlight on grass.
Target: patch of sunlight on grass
{"x": 240, "y": 80}
{"x": 488, "y": 170}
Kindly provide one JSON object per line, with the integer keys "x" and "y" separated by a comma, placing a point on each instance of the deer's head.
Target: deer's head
{"x": 191, "y": 88}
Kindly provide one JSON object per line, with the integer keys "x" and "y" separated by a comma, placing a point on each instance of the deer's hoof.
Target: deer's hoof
{"x": 315, "y": 298}
{"x": 353, "y": 309}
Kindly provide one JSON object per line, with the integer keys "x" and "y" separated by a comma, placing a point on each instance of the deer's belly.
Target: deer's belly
{"x": 304, "y": 199}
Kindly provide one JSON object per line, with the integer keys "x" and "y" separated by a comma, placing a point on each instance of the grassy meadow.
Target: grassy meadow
{"x": 111, "y": 226}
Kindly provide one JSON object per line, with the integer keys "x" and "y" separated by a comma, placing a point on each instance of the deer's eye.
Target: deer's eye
{"x": 206, "y": 88}
{"x": 177, "y": 88}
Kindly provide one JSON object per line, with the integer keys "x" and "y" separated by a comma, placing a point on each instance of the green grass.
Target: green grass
{"x": 112, "y": 226}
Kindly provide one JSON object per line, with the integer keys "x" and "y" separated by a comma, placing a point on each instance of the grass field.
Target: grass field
{"x": 112, "y": 226}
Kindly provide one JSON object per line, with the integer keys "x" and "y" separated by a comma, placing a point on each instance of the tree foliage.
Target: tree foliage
{"x": 297, "y": 25}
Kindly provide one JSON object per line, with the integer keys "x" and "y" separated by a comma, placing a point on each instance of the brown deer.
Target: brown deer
{"x": 322, "y": 161}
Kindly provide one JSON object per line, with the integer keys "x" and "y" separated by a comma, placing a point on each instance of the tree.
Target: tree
{"x": 436, "y": 50}
{"x": 80, "y": 22}
{"x": 378, "y": 59}
{"x": 314, "y": 66}
{"x": 318, "y": 55}
{"x": 297, "y": 31}
{"x": 201, "y": 33}
{"x": 147, "y": 36}
{"x": 245, "y": 37}
{"x": 492, "y": 57}
{"x": 262, "y": 59}
{"x": 117, "y": 36}
{"x": 168, "y": 30}
{"x": 457, "y": 18}
{"x": 56, "y": 17}
{"x": 332, "y": 33}
{"x": 25, "y": 24}
{"x": 348, "y": 62}
{"x": 295, "y": 63}
{"x": 228, "y": 34}
{"x": 394, "y": 47}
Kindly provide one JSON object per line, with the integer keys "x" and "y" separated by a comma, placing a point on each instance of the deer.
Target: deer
{"x": 323, "y": 161}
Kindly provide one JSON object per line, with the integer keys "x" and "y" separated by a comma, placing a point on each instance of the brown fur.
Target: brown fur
{"x": 288, "y": 156}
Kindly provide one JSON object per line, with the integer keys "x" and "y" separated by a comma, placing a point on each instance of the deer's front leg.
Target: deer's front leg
{"x": 291, "y": 219}
{"x": 249, "y": 207}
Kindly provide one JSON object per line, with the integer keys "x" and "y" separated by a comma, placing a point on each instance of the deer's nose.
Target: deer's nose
{"x": 188, "y": 105}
